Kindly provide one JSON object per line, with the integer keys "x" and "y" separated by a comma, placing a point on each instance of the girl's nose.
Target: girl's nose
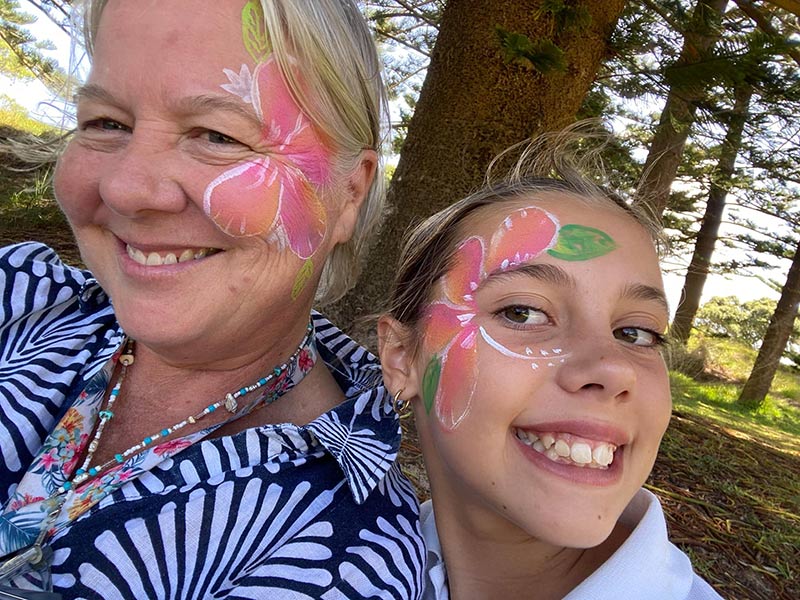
{"x": 142, "y": 179}
{"x": 598, "y": 367}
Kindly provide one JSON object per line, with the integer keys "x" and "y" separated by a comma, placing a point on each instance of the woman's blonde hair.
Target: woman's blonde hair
{"x": 331, "y": 42}
{"x": 568, "y": 161}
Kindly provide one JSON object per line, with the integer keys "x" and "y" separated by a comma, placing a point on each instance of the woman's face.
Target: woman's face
{"x": 544, "y": 394}
{"x": 194, "y": 183}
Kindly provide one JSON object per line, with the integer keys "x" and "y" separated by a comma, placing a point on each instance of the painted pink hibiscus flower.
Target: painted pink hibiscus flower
{"x": 274, "y": 194}
{"x": 450, "y": 377}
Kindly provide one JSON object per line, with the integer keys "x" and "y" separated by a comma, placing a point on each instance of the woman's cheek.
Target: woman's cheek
{"x": 244, "y": 200}
{"x": 76, "y": 183}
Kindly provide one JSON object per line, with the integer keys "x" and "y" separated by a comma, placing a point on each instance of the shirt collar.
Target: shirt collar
{"x": 362, "y": 433}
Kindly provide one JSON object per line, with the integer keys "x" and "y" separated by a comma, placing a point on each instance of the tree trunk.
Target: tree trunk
{"x": 709, "y": 230}
{"x": 679, "y": 111}
{"x": 778, "y": 333}
{"x": 472, "y": 106}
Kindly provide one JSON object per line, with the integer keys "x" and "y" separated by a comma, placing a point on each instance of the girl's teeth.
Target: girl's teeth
{"x": 186, "y": 255}
{"x": 564, "y": 448}
{"x": 581, "y": 453}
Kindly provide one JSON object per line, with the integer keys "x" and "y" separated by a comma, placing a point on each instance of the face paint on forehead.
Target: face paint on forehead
{"x": 275, "y": 195}
{"x": 451, "y": 335}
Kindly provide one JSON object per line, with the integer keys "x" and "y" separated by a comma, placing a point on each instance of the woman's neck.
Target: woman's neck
{"x": 157, "y": 394}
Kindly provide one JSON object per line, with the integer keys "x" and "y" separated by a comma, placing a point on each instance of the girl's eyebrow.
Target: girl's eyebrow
{"x": 542, "y": 272}
{"x": 555, "y": 275}
{"x": 203, "y": 103}
{"x": 640, "y": 291}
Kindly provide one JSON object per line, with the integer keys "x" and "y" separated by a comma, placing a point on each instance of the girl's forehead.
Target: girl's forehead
{"x": 563, "y": 207}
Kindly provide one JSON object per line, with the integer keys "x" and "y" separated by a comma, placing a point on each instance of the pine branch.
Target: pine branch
{"x": 51, "y": 17}
{"x": 764, "y": 24}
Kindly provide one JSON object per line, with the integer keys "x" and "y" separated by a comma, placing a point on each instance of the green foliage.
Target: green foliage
{"x": 740, "y": 321}
{"x": 21, "y": 54}
{"x": 15, "y": 116}
{"x": 566, "y": 16}
{"x": 542, "y": 56}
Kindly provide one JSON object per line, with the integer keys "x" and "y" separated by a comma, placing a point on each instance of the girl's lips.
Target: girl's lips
{"x": 573, "y": 472}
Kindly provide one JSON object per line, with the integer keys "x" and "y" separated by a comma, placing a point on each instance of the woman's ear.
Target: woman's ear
{"x": 356, "y": 189}
{"x": 397, "y": 349}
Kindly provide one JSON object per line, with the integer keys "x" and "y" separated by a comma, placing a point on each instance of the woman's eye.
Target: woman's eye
{"x": 215, "y": 137}
{"x": 105, "y": 125}
{"x": 639, "y": 337}
{"x": 524, "y": 315}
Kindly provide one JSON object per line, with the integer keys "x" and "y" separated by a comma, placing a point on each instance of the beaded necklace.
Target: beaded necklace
{"x": 230, "y": 402}
{"x": 36, "y": 556}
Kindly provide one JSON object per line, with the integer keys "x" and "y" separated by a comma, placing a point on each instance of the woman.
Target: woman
{"x": 525, "y": 330}
{"x": 223, "y": 173}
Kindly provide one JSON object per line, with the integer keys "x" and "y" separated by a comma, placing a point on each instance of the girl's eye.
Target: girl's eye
{"x": 639, "y": 337}
{"x": 524, "y": 315}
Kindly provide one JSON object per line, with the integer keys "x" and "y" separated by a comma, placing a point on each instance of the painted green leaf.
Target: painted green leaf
{"x": 577, "y": 242}
{"x": 254, "y": 31}
{"x": 430, "y": 382}
{"x": 305, "y": 273}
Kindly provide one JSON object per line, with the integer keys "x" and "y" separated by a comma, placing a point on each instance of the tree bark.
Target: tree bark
{"x": 678, "y": 114}
{"x": 697, "y": 273}
{"x": 472, "y": 106}
{"x": 778, "y": 333}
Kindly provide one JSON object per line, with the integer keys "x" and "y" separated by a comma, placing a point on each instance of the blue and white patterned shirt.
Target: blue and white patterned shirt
{"x": 319, "y": 511}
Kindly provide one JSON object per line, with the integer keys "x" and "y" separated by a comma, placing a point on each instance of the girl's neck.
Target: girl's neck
{"x": 486, "y": 569}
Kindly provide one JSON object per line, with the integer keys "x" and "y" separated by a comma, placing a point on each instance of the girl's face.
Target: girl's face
{"x": 544, "y": 396}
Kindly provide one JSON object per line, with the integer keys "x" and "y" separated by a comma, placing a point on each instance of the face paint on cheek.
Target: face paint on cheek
{"x": 275, "y": 195}
{"x": 550, "y": 357}
{"x": 244, "y": 200}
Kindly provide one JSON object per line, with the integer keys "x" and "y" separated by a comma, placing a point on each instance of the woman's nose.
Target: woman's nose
{"x": 598, "y": 366}
{"x": 141, "y": 180}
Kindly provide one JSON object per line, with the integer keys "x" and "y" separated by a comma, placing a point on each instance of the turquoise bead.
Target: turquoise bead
{"x": 212, "y": 408}
{"x": 67, "y": 485}
{"x": 165, "y": 432}
{"x": 92, "y": 471}
{"x": 148, "y": 440}
{"x": 277, "y": 371}
{"x": 80, "y": 472}
{"x": 119, "y": 458}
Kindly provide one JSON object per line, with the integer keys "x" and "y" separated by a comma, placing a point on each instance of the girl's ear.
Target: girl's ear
{"x": 397, "y": 349}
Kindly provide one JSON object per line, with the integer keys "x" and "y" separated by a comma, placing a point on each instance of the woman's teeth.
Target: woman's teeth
{"x": 154, "y": 259}
{"x": 568, "y": 449}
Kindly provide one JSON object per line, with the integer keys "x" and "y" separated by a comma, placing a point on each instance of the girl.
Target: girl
{"x": 524, "y": 329}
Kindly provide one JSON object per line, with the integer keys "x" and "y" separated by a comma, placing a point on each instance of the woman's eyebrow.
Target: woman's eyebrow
{"x": 206, "y": 103}
{"x": 203, "y": 103}
{"x": 92, "y": 91}
{"x": 541, "y": 272}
